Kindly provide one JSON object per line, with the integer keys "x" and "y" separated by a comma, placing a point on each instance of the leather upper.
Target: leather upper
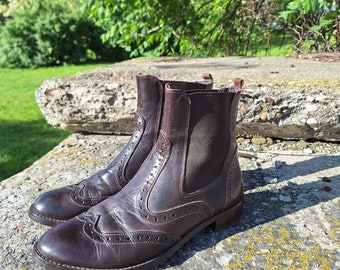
{"x": 190, "y": 176}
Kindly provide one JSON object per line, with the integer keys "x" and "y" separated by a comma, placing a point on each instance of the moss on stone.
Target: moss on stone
{"x": 302, "y": 144}
{"x": 258, "y": 140}
{"x": 278, "y": 247}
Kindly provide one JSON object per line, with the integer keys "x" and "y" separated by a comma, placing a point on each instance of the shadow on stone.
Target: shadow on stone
{"x": 264, "y": 206}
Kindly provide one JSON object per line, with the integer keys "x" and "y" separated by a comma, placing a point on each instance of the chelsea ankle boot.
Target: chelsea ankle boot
{"x": 57, "y": 206}
{"x": 190, "y": 180}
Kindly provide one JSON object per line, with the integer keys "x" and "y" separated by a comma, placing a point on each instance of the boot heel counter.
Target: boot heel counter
{"x": 228, "y": 217}
{"x": 234, "y": 192}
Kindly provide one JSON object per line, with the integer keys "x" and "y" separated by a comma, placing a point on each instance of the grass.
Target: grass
{"x": 279, "y": 46}
{"x": 25, "y": 135}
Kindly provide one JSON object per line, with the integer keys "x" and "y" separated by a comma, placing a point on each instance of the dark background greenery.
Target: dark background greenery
{"x": 48, "y": 33}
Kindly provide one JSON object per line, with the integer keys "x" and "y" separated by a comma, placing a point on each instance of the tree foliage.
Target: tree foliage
{"x": 184, "y": 27}
{"x": 314, "y": 24}
{"x": 37, "y": 33}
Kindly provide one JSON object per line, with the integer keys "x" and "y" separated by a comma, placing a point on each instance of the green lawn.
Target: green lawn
{"x": 275, "y": 48}
{"x": 24, "y": 134}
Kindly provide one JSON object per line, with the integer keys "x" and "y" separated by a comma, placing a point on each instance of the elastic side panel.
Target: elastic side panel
{"x": 208, "y": 139}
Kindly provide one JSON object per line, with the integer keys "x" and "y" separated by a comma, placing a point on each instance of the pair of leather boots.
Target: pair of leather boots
{"x": 177, "y": 175}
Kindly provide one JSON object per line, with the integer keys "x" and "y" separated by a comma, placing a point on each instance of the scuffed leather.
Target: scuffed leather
{"x": 61, "y": 204}
{"x": 170, "y": 196}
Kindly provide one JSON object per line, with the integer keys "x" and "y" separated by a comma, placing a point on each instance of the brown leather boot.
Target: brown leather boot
{"x": 61, "y": 204}
{"x": 190, "y": 180}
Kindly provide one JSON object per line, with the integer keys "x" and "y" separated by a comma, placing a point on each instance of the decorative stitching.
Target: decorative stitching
{"x": 121, "y": 163}
{"x": 162, "y": 154}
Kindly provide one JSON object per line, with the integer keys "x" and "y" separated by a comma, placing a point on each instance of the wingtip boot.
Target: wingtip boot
{"x": 190, "y": 180}
{"x": 58, "y": 205}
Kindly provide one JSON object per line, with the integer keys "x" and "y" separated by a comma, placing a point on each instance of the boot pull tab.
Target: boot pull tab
{"x": 208, "y": 80}
{"x": 207, "y": 77}
{"x": 238, "y": 82}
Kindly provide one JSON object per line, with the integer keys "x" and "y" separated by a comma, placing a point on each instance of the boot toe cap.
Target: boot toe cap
{"x": 72, "y": 245}
{"x": 54, "y": 207}
{"x": 61, "y": 245}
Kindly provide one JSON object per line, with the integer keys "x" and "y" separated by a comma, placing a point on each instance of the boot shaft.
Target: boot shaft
{"x": 150, "y": 101}
{"x": 201, "y": 128}
{"x": 197, "y": 141}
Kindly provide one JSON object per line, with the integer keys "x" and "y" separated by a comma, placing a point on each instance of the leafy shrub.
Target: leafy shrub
{"x": 184, "y": 27}
{"x": 49, "y": 34}
{"x": 314, "y": 24}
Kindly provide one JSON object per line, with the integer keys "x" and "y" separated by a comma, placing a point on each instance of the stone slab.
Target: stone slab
{"x": 286, "y": 98}
{"x": 291, "y": 220}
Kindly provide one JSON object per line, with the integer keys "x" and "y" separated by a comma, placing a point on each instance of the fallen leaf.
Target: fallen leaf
{"x": 327, "y": 188}
{"x": 325, "y": 179}
{"x": 20, "y": 226}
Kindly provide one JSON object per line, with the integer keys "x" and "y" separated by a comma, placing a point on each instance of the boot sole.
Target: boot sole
{"x": 43, "y": 220}
{"x": 217, "y": 222}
